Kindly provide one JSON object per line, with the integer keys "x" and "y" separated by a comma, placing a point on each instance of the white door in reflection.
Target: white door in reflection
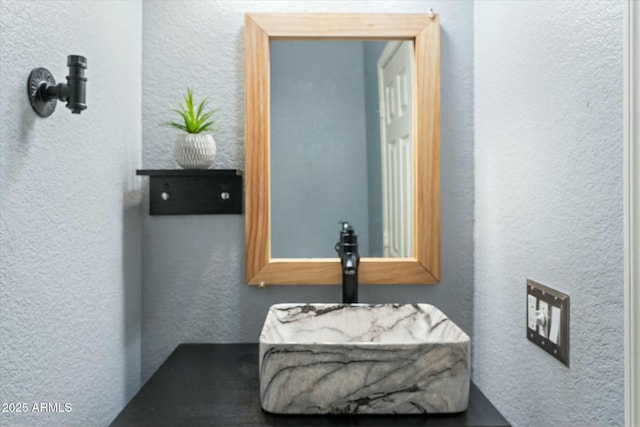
{"x": 395, "y": 77}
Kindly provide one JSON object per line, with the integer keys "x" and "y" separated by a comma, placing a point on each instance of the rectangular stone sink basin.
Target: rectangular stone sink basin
{"x": 362, "y": 359}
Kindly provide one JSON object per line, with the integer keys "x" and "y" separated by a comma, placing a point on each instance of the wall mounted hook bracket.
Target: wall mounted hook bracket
{"x": 44, "y": 93}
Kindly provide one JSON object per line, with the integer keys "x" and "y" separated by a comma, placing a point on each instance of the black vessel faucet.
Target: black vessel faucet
{"x": 347, "y": 249}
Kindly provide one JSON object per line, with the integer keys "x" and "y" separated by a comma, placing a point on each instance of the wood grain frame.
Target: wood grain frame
{"x": 424, "y": 30}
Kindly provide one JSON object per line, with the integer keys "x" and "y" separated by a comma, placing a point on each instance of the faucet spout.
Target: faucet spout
{"x": 347, "y": 249}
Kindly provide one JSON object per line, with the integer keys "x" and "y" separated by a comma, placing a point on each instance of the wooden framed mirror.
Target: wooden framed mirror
{"x": 423, "y": 267}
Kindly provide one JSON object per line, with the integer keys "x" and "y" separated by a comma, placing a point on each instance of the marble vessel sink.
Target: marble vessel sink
{"x": 362, "y": 359}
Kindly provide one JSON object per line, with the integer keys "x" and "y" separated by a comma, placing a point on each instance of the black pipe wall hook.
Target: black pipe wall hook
{"x": 44, "y": 93}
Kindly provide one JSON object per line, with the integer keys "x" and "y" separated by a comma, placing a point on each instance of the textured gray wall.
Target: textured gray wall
{"x": 194, "y": 285}
{"x": 548, "y": 107}
{"x": 69, "y": 214}
{"x": 548, "y": 110}
{"x": 318, "y": 147}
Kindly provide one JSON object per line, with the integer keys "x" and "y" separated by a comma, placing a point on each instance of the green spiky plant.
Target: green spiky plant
{"x": 195, "y": 120}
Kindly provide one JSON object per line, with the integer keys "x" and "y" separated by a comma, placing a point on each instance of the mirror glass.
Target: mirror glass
{"x": 342, "y": 137}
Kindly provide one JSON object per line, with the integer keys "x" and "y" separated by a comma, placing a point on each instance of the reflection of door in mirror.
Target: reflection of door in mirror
{"x": 326, "y": 150}
{"x": 395, "y": 74}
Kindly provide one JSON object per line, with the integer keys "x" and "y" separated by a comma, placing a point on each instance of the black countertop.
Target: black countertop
{"x": 217, "y": 385}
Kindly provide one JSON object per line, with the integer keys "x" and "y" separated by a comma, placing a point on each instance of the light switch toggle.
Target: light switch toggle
{"x": 541, "y": 318}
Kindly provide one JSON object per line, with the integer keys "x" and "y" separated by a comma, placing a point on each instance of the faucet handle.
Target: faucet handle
{"x": 345, "y": 226}
{"x": 348, "y": 238}
{"x": 345, "y": 230}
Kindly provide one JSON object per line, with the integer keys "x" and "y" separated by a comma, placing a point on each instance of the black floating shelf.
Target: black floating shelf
{"x": 194, "y": 191}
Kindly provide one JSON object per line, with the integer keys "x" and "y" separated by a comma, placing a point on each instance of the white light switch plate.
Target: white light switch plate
{"x": 532, "y": 303}
{"x": 556, "y": 324}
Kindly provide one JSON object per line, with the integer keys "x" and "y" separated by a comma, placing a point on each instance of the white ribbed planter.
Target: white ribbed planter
{"x": 194, "y": 151}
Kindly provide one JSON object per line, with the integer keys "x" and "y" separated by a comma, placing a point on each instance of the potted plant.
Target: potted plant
{"x": 194, "y": 149}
